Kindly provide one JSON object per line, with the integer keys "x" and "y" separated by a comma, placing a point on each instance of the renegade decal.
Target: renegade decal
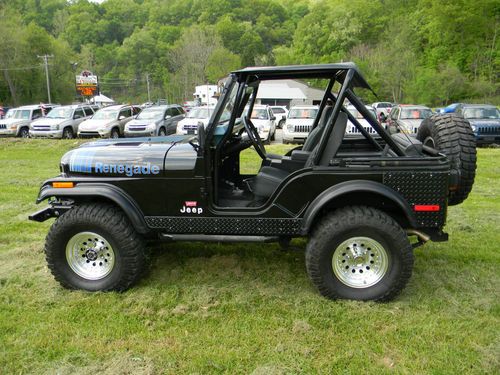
{"x": 81, "y": 161}
{"x": 128, "y": 170}
{"x": 190, "y": 207}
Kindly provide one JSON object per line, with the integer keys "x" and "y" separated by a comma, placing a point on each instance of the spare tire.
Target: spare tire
{"x": 452, "y": 135}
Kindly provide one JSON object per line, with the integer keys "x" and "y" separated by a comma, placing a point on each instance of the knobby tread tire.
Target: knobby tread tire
{"x": 127, "y": 243}
{"x": 453, "y": 136}
{"x": 336, "y": 227}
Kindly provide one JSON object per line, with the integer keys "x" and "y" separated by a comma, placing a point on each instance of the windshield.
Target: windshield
{"x": 202, "y": 113}
{"x": 278, "y": 110}
{"x": 150, "y": 114}
{"x": 303, "y": 113}
{"x": 106, "y": 115}
{"x": 60, "y": 112}
{"x": 482, "y": 113}
{"x": 260, "y": 114}
{"x": 415, "y": 113}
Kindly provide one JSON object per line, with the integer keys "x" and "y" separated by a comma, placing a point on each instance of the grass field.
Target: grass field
{"x": 208, "y": 308}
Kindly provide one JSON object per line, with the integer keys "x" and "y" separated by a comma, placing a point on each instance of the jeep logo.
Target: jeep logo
{"x": 190, "y": 207}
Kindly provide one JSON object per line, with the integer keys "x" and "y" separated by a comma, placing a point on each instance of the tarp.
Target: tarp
{"x": 102, "y": 99}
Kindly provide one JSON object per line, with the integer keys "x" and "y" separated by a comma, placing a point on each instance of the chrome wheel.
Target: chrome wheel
{"x": 360, "y": 262}
{"x": 90, "y": 255}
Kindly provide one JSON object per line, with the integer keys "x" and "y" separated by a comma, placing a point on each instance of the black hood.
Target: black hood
{"x": 135, "y": 157}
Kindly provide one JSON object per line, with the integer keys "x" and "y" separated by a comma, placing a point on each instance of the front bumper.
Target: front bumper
{"x": 485, "y": 139}
{"x": 295, "y": 137}
{"x": 46, "y": 133}
{"x": 8, "y": 132}
{"x": 94, "y": 133}
{"x": 140, "y": 133}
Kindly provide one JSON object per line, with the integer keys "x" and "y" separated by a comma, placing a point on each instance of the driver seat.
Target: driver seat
{"x": 269, "y": 177}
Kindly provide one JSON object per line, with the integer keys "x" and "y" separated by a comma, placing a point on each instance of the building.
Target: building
{"x": 288, "y": 92}
{"x": 206, "y": 94}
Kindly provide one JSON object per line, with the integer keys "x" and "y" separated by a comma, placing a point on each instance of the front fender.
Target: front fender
{"x": 101, "y": 191}
{"x": 355, "y": 186}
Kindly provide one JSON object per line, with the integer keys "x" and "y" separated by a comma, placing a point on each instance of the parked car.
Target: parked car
{"x": 3, "y": 111}
{"x": 265, "y": 122}
{"x": 484, "y": 120}
{"x": 197, "y": 115}
{"x": 382, "y": 108}
{"x": 407, "y": 118}
{"x": 108, "y": 122}
{"x": 281, "y": 113}
{"x": 158, "y": 120}
{"x": 352, "y": 129}
{"x": 451, "y": 108}
{"x": 298, "y": 123}
{"x": 61, "y": 122}
{"x": 17, "y": 120}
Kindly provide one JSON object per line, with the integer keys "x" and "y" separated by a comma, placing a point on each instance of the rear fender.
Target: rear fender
{"x": 359, "y": 187}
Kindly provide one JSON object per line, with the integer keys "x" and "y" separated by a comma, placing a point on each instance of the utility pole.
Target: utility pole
{"x": 46, "y": 63}
{"x": 147, "y": 82}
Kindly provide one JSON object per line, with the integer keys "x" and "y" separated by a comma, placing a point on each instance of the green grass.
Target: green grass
{"x": 208, "y": 308}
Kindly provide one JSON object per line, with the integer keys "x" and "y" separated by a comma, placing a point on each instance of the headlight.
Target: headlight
{"x": 151, "y": 126}
{"x": 55, "y": 127}
{"x": 474, "y": 128}
{"x": 179, "y": 128}
{"x": 13, "y": 126}
{"x": 289, "y": 128}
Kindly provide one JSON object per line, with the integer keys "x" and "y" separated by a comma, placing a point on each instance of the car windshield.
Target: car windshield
{"x": 303, "y": 113}
{"x": 106, "y": 115}
{"x": 150, "y": 114}
{"x": 22, "y": 114}
{"x": 60, "y": 112}
{"x": 278, "y": 110}
{"x": 260, "y": 114}
{"x": 415, "y": 113}
{"x": 202, "y": 113}
{"x": 482, "y": 113}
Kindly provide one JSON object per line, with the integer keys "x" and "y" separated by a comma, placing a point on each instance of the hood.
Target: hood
{"x": 138, "y": 157}
{"x": 136, "y": 122}
{"x": 49, "y": 121}
{"x": 299, "y": 121}
{"x": 484, "y": 121}
{"x": 12, "y": 121}
{"x": 258, "y": 123}
{"x": 94, "y": 124}
{"x": 410, "y": 125}
{"x": 193, "y": 121}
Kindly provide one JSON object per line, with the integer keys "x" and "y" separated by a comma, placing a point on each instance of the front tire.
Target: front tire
{"x": 24, "y": 133}
{"x": 68, "y": 133}
{"x": 359, "y": 253}
{"x": 94, "y": 247}
{"x": 115, "y": 133}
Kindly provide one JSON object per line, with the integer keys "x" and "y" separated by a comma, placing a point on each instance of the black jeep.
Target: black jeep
{"x": 358, "y": 198}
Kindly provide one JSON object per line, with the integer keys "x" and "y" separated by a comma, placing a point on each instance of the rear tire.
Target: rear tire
{"x": 94, "y": 247}
{"x": 359, "y": 253}
{"x": 453, "y": 136}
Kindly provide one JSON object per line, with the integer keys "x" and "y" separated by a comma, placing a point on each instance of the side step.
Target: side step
{"x": 216, "y": 238}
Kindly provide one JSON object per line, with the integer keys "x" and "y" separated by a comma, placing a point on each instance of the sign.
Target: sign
{"x": 87, "y": 84}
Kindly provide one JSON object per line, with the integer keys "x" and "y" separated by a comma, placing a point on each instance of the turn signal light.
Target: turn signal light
{"x": 426, "y": 207}
{"x": 63, "y": 185}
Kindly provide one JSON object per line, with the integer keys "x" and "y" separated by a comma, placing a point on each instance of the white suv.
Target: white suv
{"x": 298, "y": 123}
{"x": 17, "y": 120}
{"x": 61, "y": 122}
{"x": 265, "y": 122}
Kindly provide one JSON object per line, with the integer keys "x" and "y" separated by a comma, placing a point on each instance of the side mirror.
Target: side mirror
{"x": 273, "y": 118}
{"x": 167, "y": 117}
{"x": 122, "y": 117}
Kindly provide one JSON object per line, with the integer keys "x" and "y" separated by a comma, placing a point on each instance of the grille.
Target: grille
{"x": 88, "y": 134}
{"x": 41, "y": 127}
{"x": 190, "y": 127}
{"x": 212, "y": 225}
{"x": 495, "y": 129}
{"x": 137, "y": 128}
{"x": 3, "y": 126}
{"x": 302, "y": 128}
{"x": 354, "y": 130}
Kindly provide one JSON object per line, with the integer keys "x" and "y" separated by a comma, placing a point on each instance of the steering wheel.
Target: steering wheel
{"x": 253, "y": 134}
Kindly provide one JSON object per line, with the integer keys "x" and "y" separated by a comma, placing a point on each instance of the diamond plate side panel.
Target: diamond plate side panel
{"x": 234, "y": 226}
{"x": 422, "y": 188}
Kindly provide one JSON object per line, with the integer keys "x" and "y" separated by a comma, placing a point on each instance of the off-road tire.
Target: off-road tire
{"x": 68, "y": 133}
{"x": 452, "y": 135}
{"x": 355, "y": 222}
{"x": 109, "y": 222}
